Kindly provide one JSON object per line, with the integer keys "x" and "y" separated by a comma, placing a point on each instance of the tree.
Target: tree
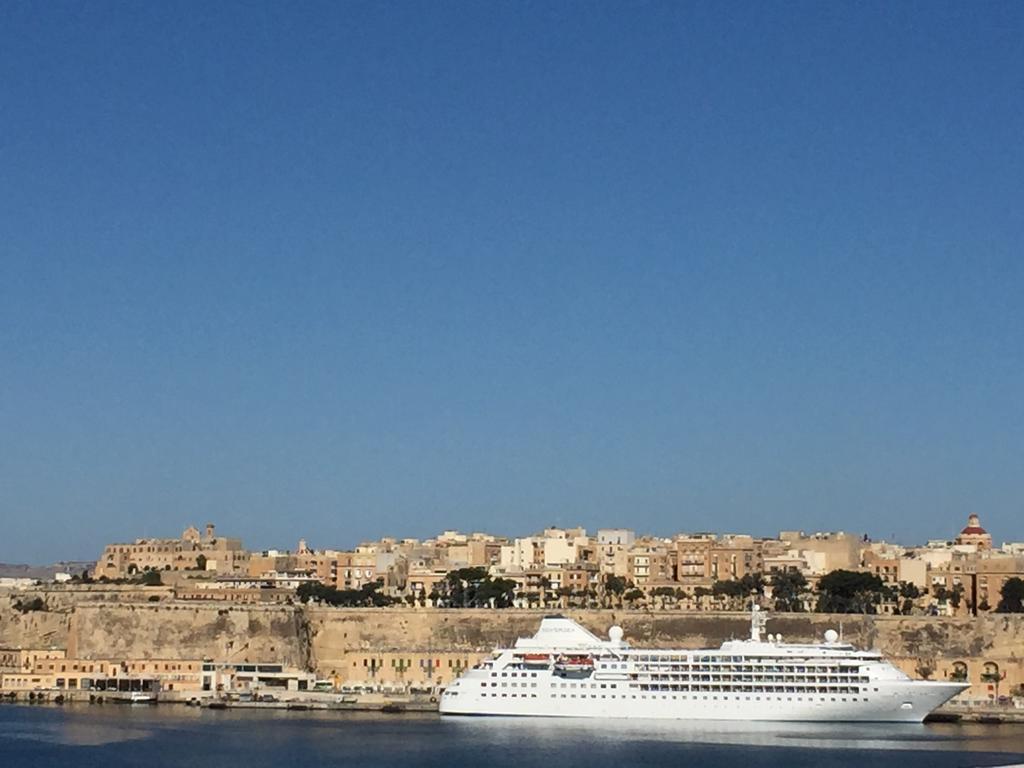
{"x": 844, "y": 591}
{"x": 1011, "y": 596}
{"x": 201, "y": 562}
{"x": 475, "y": 588}
{"x": 616, "y": 585}
{"x": 788, "y": 589}
{"x": 35, "y": 604}
{"x": 366, "y": 596}
{"x": 925, "y": 668}
{"x": 728, "y": 588}
{"x": 613, "y": 588}
{"x": 956, "y": 595}
{"x": 909, "y": 590}
{"x": 545, "y": 590}
{"x": 666, "y": 595}
{"x": 151, "y": 579}
{"x": 633, "y": 595}
{"x": 753, "y": 583}
{"x": 497, "y": 593}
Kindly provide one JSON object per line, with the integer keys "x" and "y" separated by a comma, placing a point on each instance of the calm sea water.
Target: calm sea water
{"x": 173, "y": 737}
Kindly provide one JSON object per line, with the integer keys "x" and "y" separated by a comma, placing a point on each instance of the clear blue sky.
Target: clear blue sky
{"x": 345, "y": 270}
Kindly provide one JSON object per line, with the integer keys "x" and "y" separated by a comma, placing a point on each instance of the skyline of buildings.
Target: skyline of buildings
{"x": 964, "y": 572}
{"x": 552, "y": 569}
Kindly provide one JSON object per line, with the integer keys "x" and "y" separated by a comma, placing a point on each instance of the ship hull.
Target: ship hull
{"x": 905, "y": 702}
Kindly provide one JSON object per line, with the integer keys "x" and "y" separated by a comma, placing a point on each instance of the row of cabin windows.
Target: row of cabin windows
{"x": 759, "y": 663}
{"x": 799, "y": 679}
{"x": 673, "y": 698}
{"x": 754, "y": 688}
{"x": 699, "y": 688}
{"x": 788, "y": 669}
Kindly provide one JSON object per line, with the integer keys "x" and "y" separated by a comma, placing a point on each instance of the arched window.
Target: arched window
{"x": 959, "y": 672}
{"x": 990, "y": 672}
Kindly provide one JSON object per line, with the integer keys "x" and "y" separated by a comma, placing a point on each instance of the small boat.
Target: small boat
{"x": 571, "y": 664}
{"x": 536, "y": 659}
{"x": 142, "y": 697}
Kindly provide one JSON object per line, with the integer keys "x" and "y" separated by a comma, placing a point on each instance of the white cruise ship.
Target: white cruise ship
{"x": 566, "y": 671}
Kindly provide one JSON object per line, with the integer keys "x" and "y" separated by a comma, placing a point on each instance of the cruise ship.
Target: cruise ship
{"x": 566, "y": 671}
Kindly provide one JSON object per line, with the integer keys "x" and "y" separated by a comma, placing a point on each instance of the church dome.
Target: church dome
{"x": 973, "y": 527}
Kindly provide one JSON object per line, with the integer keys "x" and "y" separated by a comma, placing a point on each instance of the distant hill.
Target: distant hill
{"x": 44, "y": 572}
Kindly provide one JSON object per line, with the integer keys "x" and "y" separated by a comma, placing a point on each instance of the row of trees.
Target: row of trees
{"x": 840, "y": 591}
{"x": 366, "y": 596}
{"x": 474, "y": 588}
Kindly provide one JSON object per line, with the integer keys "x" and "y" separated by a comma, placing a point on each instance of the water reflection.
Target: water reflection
{"x": 180, "y": 737}
{"x": 862, "y": 736}
{"x": 73, "y": 732}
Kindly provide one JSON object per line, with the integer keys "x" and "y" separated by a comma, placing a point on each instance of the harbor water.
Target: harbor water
{"x": 178, "y": 737}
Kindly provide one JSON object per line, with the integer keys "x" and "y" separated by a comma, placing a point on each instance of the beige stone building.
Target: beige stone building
{"x": 64, "y": 674}
{"x": 897, "y": 570}
{"x": 828, "y": 551}
{"x": 978, "y": 577}
{"x": 611, "y": 546}
{"x": 648, "y": 563}
{"x": 702, "y": 559}
{"x": 190, "y": 552}
{"x": 401, "y": 669}
{"x": 423, "y": 581}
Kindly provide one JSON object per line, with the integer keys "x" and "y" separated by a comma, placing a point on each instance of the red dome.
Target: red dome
{"x": 974, "y": 530}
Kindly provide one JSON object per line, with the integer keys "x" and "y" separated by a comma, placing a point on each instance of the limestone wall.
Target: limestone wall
{"x": 921, "y": 645}
{"x": 189, "y": 631}
{"x": 35, "y": 629}
{"x": 125, "y": 626}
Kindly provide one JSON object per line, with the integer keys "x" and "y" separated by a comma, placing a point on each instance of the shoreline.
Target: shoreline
{"x": 395, "y": 706}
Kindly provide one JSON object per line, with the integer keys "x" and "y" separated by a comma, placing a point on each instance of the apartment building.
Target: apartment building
{"x": 702, "y": 558}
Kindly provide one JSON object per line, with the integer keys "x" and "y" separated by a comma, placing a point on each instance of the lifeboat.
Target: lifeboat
{"x": 536, "y": 659}
{"x": 574, "y": 664}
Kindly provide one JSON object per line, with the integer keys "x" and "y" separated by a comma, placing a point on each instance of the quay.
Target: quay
{"x": 295, "y": 701}
{"x": 304, "y": 701}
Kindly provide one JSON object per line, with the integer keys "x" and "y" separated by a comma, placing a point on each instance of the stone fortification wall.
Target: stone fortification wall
{"x": 128, "y": 626}
{"x": 33, "y": 629}
{"x": 334, "y": 631}
{"x": 189, "y": 631}
{"x": 922, "y": 646}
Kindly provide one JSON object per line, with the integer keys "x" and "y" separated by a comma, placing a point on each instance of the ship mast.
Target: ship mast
{"x": 758, "y": 619}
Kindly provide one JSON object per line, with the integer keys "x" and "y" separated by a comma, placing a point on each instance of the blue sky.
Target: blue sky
{"x": 343, "y": 270}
